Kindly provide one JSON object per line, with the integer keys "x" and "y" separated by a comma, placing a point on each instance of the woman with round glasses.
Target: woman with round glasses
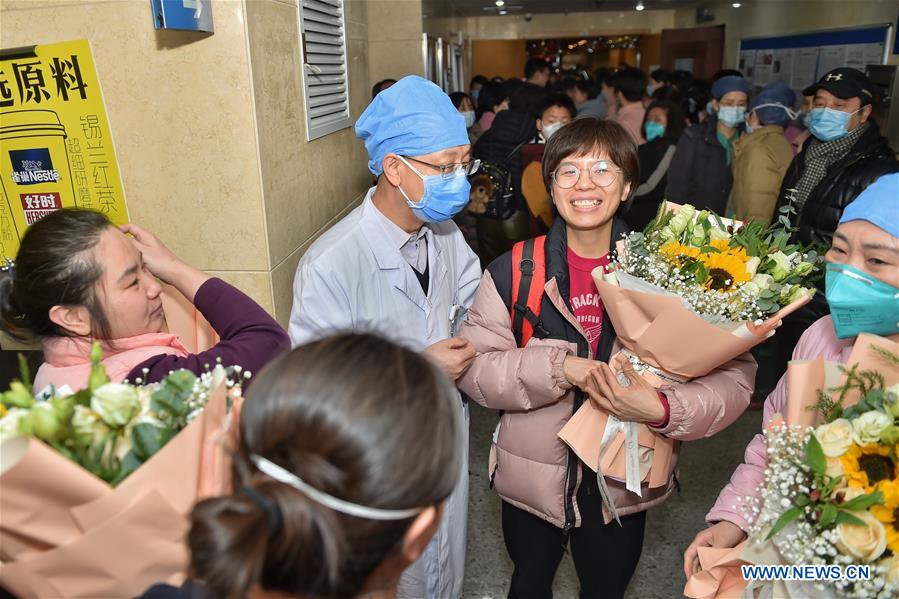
{"x": 537, "y": 380}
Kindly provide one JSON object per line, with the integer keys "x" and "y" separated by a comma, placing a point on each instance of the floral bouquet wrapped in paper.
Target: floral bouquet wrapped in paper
{"x": 98, "y": 485}
{"x": 686, "y": 295}
{"x": 831, "y": 492}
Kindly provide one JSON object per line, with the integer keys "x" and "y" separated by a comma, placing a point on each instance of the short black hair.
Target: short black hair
{"x": 491, "y": 95}
{"x": 560, "y": 100}
{"x": 726, "y": 73}
{"x": 660, "y": 75}
{"x": 604, "y": 75}
{"x": 631, "y": 83}
{"x": 533, "y": 66}
{"x": 479, "y": 79}
{"x": 378, "y": 87}
{"x": 457, "y": 97}
{"x": 528, "y": 98}
{"x": 586, "y": 86}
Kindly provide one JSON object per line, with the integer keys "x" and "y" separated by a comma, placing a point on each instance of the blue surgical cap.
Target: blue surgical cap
{"x": 731, "y": 83}
{"x": 878, "y": 204}
{"x": 412, "y": 117}
{"x": 774, "y": 93}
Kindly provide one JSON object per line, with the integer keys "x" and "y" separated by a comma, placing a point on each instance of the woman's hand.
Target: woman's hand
{"x": 638, "y": 402}
{"x": 577, "y": 370}
{"x": 165, "y": 265}
{"x": 723, "y": 535}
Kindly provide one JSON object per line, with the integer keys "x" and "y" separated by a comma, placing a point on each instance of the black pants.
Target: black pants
{"x": 605, "y": 555}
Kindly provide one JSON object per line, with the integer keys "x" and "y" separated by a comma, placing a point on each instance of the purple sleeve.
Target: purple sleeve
{"x": 250, "y": 338}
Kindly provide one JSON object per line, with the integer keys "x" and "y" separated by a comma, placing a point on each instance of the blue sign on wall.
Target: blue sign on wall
{"x": 188, "y": 15}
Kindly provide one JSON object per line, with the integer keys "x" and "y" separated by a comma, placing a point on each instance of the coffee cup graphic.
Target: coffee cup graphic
{"x": 34, "y": 168}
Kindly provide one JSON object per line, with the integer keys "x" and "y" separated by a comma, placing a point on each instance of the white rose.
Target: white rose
{"x": 835, "y": 469}
{"x": 87, "y": 426}
{"x": 752, "y": 265}
{"x": 892, "y": 568}
{"x": 835, "y": 438}
{"x": 762, "y": 280}
{"x": 779, "y": 266}
{"x": 9, "y": 424}
{"x": 867, "y": 427}
{"x": 682, "y": 218}
{"x": 716, "y": 234}
{"x": 116, "y": 403}
{"x": 865, "y": 542}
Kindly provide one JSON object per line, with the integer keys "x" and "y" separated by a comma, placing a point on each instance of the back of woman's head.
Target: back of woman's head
{"x": 355, "y": 417}
{"x": 492, "y": 95}
{"x": 54, "y": 267}
{"x": 528, "y": 98}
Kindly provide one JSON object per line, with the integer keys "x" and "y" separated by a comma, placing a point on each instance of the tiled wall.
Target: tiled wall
{"x": 210, "y": 129}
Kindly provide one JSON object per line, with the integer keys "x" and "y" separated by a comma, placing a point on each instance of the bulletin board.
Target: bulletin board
{"x": 801, "y": 59}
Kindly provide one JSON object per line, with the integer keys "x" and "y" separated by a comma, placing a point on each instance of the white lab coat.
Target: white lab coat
{"x": 353, "y": 279}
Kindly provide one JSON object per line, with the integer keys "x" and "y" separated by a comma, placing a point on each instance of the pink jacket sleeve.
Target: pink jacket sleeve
{"x": 709, "y": 404}
{"x": 504, "y": 376}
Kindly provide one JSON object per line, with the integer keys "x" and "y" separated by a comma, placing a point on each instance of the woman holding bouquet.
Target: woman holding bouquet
{"x": 78, "y": 278}
{"x": 334, "y": 495}
{"x": 862, "y": 291}
{"x": 549, "y": 495}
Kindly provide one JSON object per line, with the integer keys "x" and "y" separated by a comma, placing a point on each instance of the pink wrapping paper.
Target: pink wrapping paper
{"x": 720, "y": 576}
{"x": 66, "y": 533}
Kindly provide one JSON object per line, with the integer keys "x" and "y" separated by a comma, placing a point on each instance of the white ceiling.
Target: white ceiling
{"x": 476, "y": 8}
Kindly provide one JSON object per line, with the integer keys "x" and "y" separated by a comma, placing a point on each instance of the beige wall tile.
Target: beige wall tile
{"x": 394, "y": 20}
{"x": 180, "y": 110}
{"x": 256, "y": 284}
{"x": 395, "y": 59}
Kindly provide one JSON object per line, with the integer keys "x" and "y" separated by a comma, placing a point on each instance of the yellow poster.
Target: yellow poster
{"x": 55, "y": 146}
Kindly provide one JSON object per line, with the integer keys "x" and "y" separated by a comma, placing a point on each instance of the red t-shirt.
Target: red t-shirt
{"x": 585, "y": 300}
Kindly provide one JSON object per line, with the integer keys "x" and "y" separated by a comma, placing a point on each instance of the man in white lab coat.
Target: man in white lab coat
{"x": 398, "y": 266}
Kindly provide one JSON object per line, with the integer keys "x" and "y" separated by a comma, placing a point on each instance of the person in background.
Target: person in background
{"x": 529, "y": 99}
{"x": 700, "y": 172}
{"x": 536, "y": 72}
{"x": 862, "y": 275}
{"x": 845, "y": 154}
{"x": 797, "y": 132}
{"x": 586, "y": 97}
{"x": 630, "y": 87}
{"x": 78, "y": 278}
{"x": 557, "y": 110}
{"x": 662, "y": 126}
{"x": 477, "y": 82}
{"x": 380, "y": 86}
{"x": 398, "y": 266}
{"x": 657, "y": 79}
{"x": 465, "y": 105}
{"x": 334, "y": 496}
{"x": 696, "y": 97}
{"x": 762, "y": 156}
{"x": 491, "y": 101}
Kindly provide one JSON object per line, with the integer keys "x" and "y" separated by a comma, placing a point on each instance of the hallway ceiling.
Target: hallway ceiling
{"x": 480, "y": 8}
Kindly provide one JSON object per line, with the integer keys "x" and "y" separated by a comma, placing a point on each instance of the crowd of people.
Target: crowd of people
{"x": 351, "y": 478}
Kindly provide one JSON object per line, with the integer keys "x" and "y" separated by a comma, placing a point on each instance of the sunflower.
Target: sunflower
{"x": 678, "y": 254}
{"x": 868, "y": 465}
{"x": 723, "y": 247}
{"x": 888, "y": 513}
{"x": 725, "y": 271}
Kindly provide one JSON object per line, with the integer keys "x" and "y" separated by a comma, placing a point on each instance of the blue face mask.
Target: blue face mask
{"x": 859, "y": 303}
{"x": 828, "y": 124}
{"x": 442, "y": 198}
{"x": 653, "y": 130}
{"x": 732, "y": 115}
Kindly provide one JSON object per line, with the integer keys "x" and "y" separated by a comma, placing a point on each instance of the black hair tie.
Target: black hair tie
{"x": 270, "y": 507}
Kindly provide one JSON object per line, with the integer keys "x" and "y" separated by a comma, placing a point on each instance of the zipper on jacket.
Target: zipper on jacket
{"x": 583, "y": 351}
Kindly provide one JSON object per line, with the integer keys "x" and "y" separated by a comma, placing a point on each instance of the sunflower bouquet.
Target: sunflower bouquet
{"x": 831, "y": 492}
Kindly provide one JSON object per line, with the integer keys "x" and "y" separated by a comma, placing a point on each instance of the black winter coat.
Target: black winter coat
{"x": 649, "y": 193}
{"x": 699, "y": 173}
{"x": 870, "y": 158}
{"x": 510, "y": 128}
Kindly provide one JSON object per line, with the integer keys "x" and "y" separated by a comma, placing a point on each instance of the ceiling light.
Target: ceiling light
{"x": 639, "y": 6}
{"x": 500, "y": 3}
{"x": 736, "y": 5}
{"x": 503, "y": 12}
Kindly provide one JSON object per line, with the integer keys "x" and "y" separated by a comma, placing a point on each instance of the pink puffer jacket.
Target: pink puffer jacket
{"x": 528, "y": 462}
{"x": 819, "y": 340}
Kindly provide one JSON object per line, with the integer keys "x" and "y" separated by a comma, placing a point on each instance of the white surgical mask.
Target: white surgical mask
{"x": 550, "y": 130}
{"x": 469, "y": 118}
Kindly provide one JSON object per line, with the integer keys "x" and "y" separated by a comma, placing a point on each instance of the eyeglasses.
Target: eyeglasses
{"x": 601, "y": 174}
{"x": 447, "y": 171}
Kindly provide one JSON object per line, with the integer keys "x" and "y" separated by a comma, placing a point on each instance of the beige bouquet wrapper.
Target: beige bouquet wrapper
{"x": 668, "y": 344}
{"x": 805, "y": 378}
{"x": 66, "y": 533}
